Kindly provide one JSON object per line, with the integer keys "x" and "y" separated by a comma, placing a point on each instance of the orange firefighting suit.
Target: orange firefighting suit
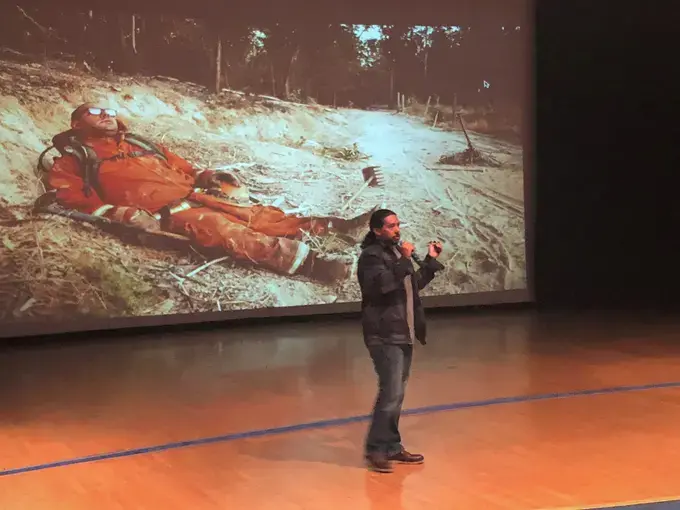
{"x": 260, "y": 234}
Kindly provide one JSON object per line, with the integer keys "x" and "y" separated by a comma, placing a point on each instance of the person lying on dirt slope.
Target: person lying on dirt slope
{"x": 106, "y": 171}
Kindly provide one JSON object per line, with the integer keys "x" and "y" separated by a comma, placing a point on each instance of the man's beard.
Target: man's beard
{"x": 102, "y": 133}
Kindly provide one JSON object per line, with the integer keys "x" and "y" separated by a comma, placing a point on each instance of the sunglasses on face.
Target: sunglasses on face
{"x": 99, "y": 111}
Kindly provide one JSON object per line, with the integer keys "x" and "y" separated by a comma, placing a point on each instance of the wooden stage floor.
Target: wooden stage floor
{"x": 511, "y": 411}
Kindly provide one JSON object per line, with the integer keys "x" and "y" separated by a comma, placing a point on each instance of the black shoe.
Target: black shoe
{"x": 404, "y": 457}
{"x": 378, "y": 462}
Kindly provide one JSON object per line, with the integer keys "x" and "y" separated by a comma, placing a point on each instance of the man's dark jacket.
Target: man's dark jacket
{"x": 381, "y": 276}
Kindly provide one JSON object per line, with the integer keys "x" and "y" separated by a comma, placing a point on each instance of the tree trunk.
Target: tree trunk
{"x": 134, "y": 34}
{"x": 426, "y": 87}
{"x": 81, "y": 53}
{"x": 308, "y": 89}
{"x": 289, "y": 72}
{"x": 225, "y": 73}
{"x": 127, "y": 57}
{"x": 455, "y": 108}
{"x": 392, "y": 95}
{"x": 123, "y": 47}
{"x": 218, "y": 65}
{"x": 273, "y": 77}
{"x": 123, "y": 42}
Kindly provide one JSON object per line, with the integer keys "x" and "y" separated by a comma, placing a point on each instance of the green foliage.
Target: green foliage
{"x": 335, "y": 64}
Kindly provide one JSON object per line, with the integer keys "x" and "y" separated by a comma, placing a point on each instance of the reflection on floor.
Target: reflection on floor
{"x": 511, "y": 411}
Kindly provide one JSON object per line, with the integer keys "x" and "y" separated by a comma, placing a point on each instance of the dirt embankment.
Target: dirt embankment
{"x": 305, "y": 159}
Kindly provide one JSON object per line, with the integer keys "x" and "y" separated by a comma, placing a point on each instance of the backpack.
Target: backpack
{"x": 67, "y": 143}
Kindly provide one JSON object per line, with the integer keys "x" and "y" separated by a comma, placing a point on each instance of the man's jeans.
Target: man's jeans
{"x": 393, "y": 365}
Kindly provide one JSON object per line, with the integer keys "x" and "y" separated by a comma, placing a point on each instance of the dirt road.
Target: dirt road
{"x": 476, "y": 211}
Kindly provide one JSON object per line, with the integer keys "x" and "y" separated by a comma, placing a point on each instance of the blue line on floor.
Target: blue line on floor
{"x": 653, "y": 505}
{"x": 333, "y": 423}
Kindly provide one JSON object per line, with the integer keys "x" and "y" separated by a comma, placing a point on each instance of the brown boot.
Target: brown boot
{"x": 324, "y": 270}
{"x": 348, "y": 226}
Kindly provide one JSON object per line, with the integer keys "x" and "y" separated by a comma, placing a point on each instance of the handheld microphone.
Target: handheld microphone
{"x": 414, "y": 256}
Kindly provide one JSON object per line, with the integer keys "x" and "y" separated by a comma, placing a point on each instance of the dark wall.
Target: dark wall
{"x": 607, "y": 206}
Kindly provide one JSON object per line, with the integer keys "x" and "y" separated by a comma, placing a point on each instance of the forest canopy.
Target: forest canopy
{"x": 329, "y": 63}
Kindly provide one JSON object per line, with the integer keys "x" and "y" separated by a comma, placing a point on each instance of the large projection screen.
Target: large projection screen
{"x": 198, "y": 171}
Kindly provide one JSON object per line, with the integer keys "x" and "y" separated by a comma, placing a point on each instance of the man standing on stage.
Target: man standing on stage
{"x": 392, "y": 318}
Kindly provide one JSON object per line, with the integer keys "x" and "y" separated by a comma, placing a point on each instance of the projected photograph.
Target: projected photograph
{"x": 152, "y": 165}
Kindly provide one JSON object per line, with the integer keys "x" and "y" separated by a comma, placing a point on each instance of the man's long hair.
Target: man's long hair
{"x": 377, "y": 221}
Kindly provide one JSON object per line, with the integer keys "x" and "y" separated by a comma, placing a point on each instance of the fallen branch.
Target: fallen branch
{"x": 49, "y": 32}
{"x": 32, "y": 20}
{"x": 206, "y": 265}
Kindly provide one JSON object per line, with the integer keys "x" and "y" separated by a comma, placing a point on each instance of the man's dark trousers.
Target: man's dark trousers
{"x": 392, "y": 363}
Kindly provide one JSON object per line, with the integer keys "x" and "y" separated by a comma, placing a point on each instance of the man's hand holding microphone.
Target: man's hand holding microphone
{"x": 407, "y": 249}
